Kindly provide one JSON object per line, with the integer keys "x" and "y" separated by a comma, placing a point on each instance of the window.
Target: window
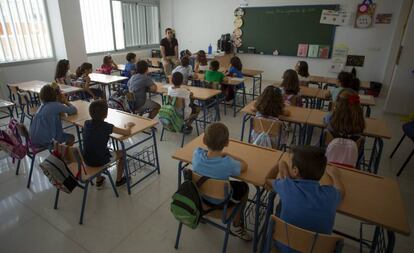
{"x": 115, "y": 25}
{"x": 24, "y": 31}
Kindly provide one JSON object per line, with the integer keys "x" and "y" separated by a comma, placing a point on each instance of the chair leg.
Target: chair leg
{"x": 18, "y": 167}
{"x": 398, "y": 145}
{"x": 182, "y": 140}
{"x": 198, "y": 131}
{"x": 226, "y": 237}
{"x": 85, "y": 194}
{"x": 162, "y": 133}
{"x": 31, "y": 170}
{"x": 112, "y": 183}
{"x": 405, "y": 163}
{"x": 177, "y": 239}
{"x": 56, "y": 199}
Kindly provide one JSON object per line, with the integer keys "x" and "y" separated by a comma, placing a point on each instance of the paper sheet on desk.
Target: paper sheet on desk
{"x": 236, "y": 79}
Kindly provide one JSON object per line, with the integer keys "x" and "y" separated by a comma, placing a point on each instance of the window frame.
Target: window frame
{"x": 133, "y": 48}
{"x": 40, "y": 60}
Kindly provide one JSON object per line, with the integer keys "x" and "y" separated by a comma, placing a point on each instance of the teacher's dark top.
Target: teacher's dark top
{"x": 169, "y": 46}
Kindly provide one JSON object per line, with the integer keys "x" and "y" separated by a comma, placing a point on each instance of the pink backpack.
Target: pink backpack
{"x": 12, "y": 142}
{"x": 343, "y": 152}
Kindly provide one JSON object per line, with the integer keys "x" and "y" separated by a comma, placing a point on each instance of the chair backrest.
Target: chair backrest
{"x": 213, "y": 188}
{"x": 304, "y": 240}
{"x": 272, "y": 127}
{"x": 69, "y": 154}
{"x": 179, "y": 102}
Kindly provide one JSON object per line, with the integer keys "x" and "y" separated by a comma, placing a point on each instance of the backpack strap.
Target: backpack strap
{"x": 269, "y": 129}
{"x": 201, "y": 181}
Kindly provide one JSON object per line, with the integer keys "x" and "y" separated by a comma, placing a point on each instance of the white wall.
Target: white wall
{"x": 199, "y": 22}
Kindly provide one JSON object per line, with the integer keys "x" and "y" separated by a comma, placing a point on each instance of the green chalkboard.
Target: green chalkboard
{"x": 283, "y": 28}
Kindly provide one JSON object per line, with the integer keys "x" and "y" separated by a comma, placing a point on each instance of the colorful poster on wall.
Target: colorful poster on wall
{"x": 331, "y": 17}
{"x": 323, "y": 52}
{"x": 302, "y": 50}
{"x": 365, "y": 14}
{"x": 313, "y": 51}
{"x": 339, "y": 57}
{"x": 383, "y": 18}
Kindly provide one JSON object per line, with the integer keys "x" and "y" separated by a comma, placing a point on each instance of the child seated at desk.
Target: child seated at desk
{"x": 201, "y": 64}
{"x": 84, "y": 81}
{"x": 185, "y": 69}
{"x": 270, "y": 106}
{"x": 302, "y": 69}
{"x": 304, "y": 202}
{"x": 139, "y": 84}
{"x": 96, "y": 133}
{"x": 347, "y": 119}
{"x": 62, "y": 74}
{"x": 235, "y": 70}
{"x": 345, "y": 80}
{"x": 108, "y": 65}
{"x": 191, "y": 111}
{"x": 130, "y": 67}
{"x": 47, "y": 125}
{"x": 216, "y": 164}
{"x": 213, "y": 75}
{"x": 291, "y": 88}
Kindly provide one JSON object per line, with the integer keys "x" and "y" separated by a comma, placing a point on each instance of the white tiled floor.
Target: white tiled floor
{"x": 142, "y": 221}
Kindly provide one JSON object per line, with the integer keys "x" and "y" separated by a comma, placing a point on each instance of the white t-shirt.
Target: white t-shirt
{"x": 182, "y": 93}
{"x": 186, "y": 71}
{"x": 303, "y": 80}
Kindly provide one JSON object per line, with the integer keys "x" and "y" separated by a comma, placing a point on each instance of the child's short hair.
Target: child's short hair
{"x": 168, "y": 29}
{"x": 82, "y": 68}
{"x": 142, "y": 67}
{"x": 236, "y": 62}
{"x": 290, "y": 82}
{"x": 310, "y": 161}
{"x": 215, "y": 65}
{"x": 47, "y": 94}
{"x": 130, "y": 56}
{"x": 345, "y": 79}
{"x": 185, "y": 61}
{"x": 201, "y": 57}
{"x": 177, "y": 78}
{"x": 98, "y": 109}
{"x": 216, "y": 136}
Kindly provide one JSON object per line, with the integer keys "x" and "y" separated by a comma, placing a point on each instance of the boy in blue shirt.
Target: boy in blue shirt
{"x": 216, "y": 164}
{"x": 304, "y": 202}
{"x": 96, "y": 133}
{"x": 130, "y": 67}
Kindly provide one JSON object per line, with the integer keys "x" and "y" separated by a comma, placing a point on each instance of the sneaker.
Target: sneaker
{"x": 240, "y": 232}
{"x": 100, "y": 184}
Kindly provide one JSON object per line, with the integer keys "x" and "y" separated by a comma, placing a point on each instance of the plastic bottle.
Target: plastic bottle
{"x": 210, "y": 49}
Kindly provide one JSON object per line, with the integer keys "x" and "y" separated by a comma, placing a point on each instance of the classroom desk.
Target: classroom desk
{"x": 334, "y": 81}
{"x": 308, "y": 93}
{"x": 380, "y": 204}
{"x": 298, "y": 116}
{"x": 256, "y": 75}
{"x": 260, "y": 162}
{"x": 203, "y": 95}
{"x": 119, "y": 119}
{"x": 9, "y": 106}
{"x": 374, "y": 128}
{"x": 121, "y": 67}
{"x": 106, "y": 80}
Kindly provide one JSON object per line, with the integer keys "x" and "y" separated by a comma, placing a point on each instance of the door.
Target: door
{"x": 401, "y": 93}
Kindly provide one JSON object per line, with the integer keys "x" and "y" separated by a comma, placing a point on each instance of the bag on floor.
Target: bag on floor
{"x": 56, "y": 169}
{"x": 169, "y": 117}
{"x": 343, "y": 152}
{"x": 11, "y": 140}
{"x": 186, "y": 205}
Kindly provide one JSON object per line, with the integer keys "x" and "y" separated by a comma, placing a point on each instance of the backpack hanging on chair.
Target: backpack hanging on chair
{"x": 169, "y": 117}
{"x": 264, "y": 139}
{"x": 11, "y": 140}
{"x": 343, "y": 152}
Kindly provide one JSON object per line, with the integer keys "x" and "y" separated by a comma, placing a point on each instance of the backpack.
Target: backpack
{"x": 56, "y": 169}
{"x": 343, "y": 152}
{"x": 169, "y": 117}
{"x": 118, "y": 101}
{"x": 12, "y": 142}
{"x": 263, "y": 139}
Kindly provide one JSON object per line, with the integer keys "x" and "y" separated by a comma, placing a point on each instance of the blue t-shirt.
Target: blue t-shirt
{"x": 95, "y": 142}
{"x": 236, "y": 73}
{"x": 128, "y": 68}
{"x": 307, "y": 204}
{"x": 47, "y": 125}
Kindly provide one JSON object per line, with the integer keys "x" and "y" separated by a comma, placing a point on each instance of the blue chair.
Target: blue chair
{"x": 299, "y": 239}
{"x": 220, "y": 190}
{"x": 74, "y": 160}
{"x": 408, "y": 129}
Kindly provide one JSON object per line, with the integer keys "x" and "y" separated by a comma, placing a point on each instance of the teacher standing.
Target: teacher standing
{"x": 169, "y": 51}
